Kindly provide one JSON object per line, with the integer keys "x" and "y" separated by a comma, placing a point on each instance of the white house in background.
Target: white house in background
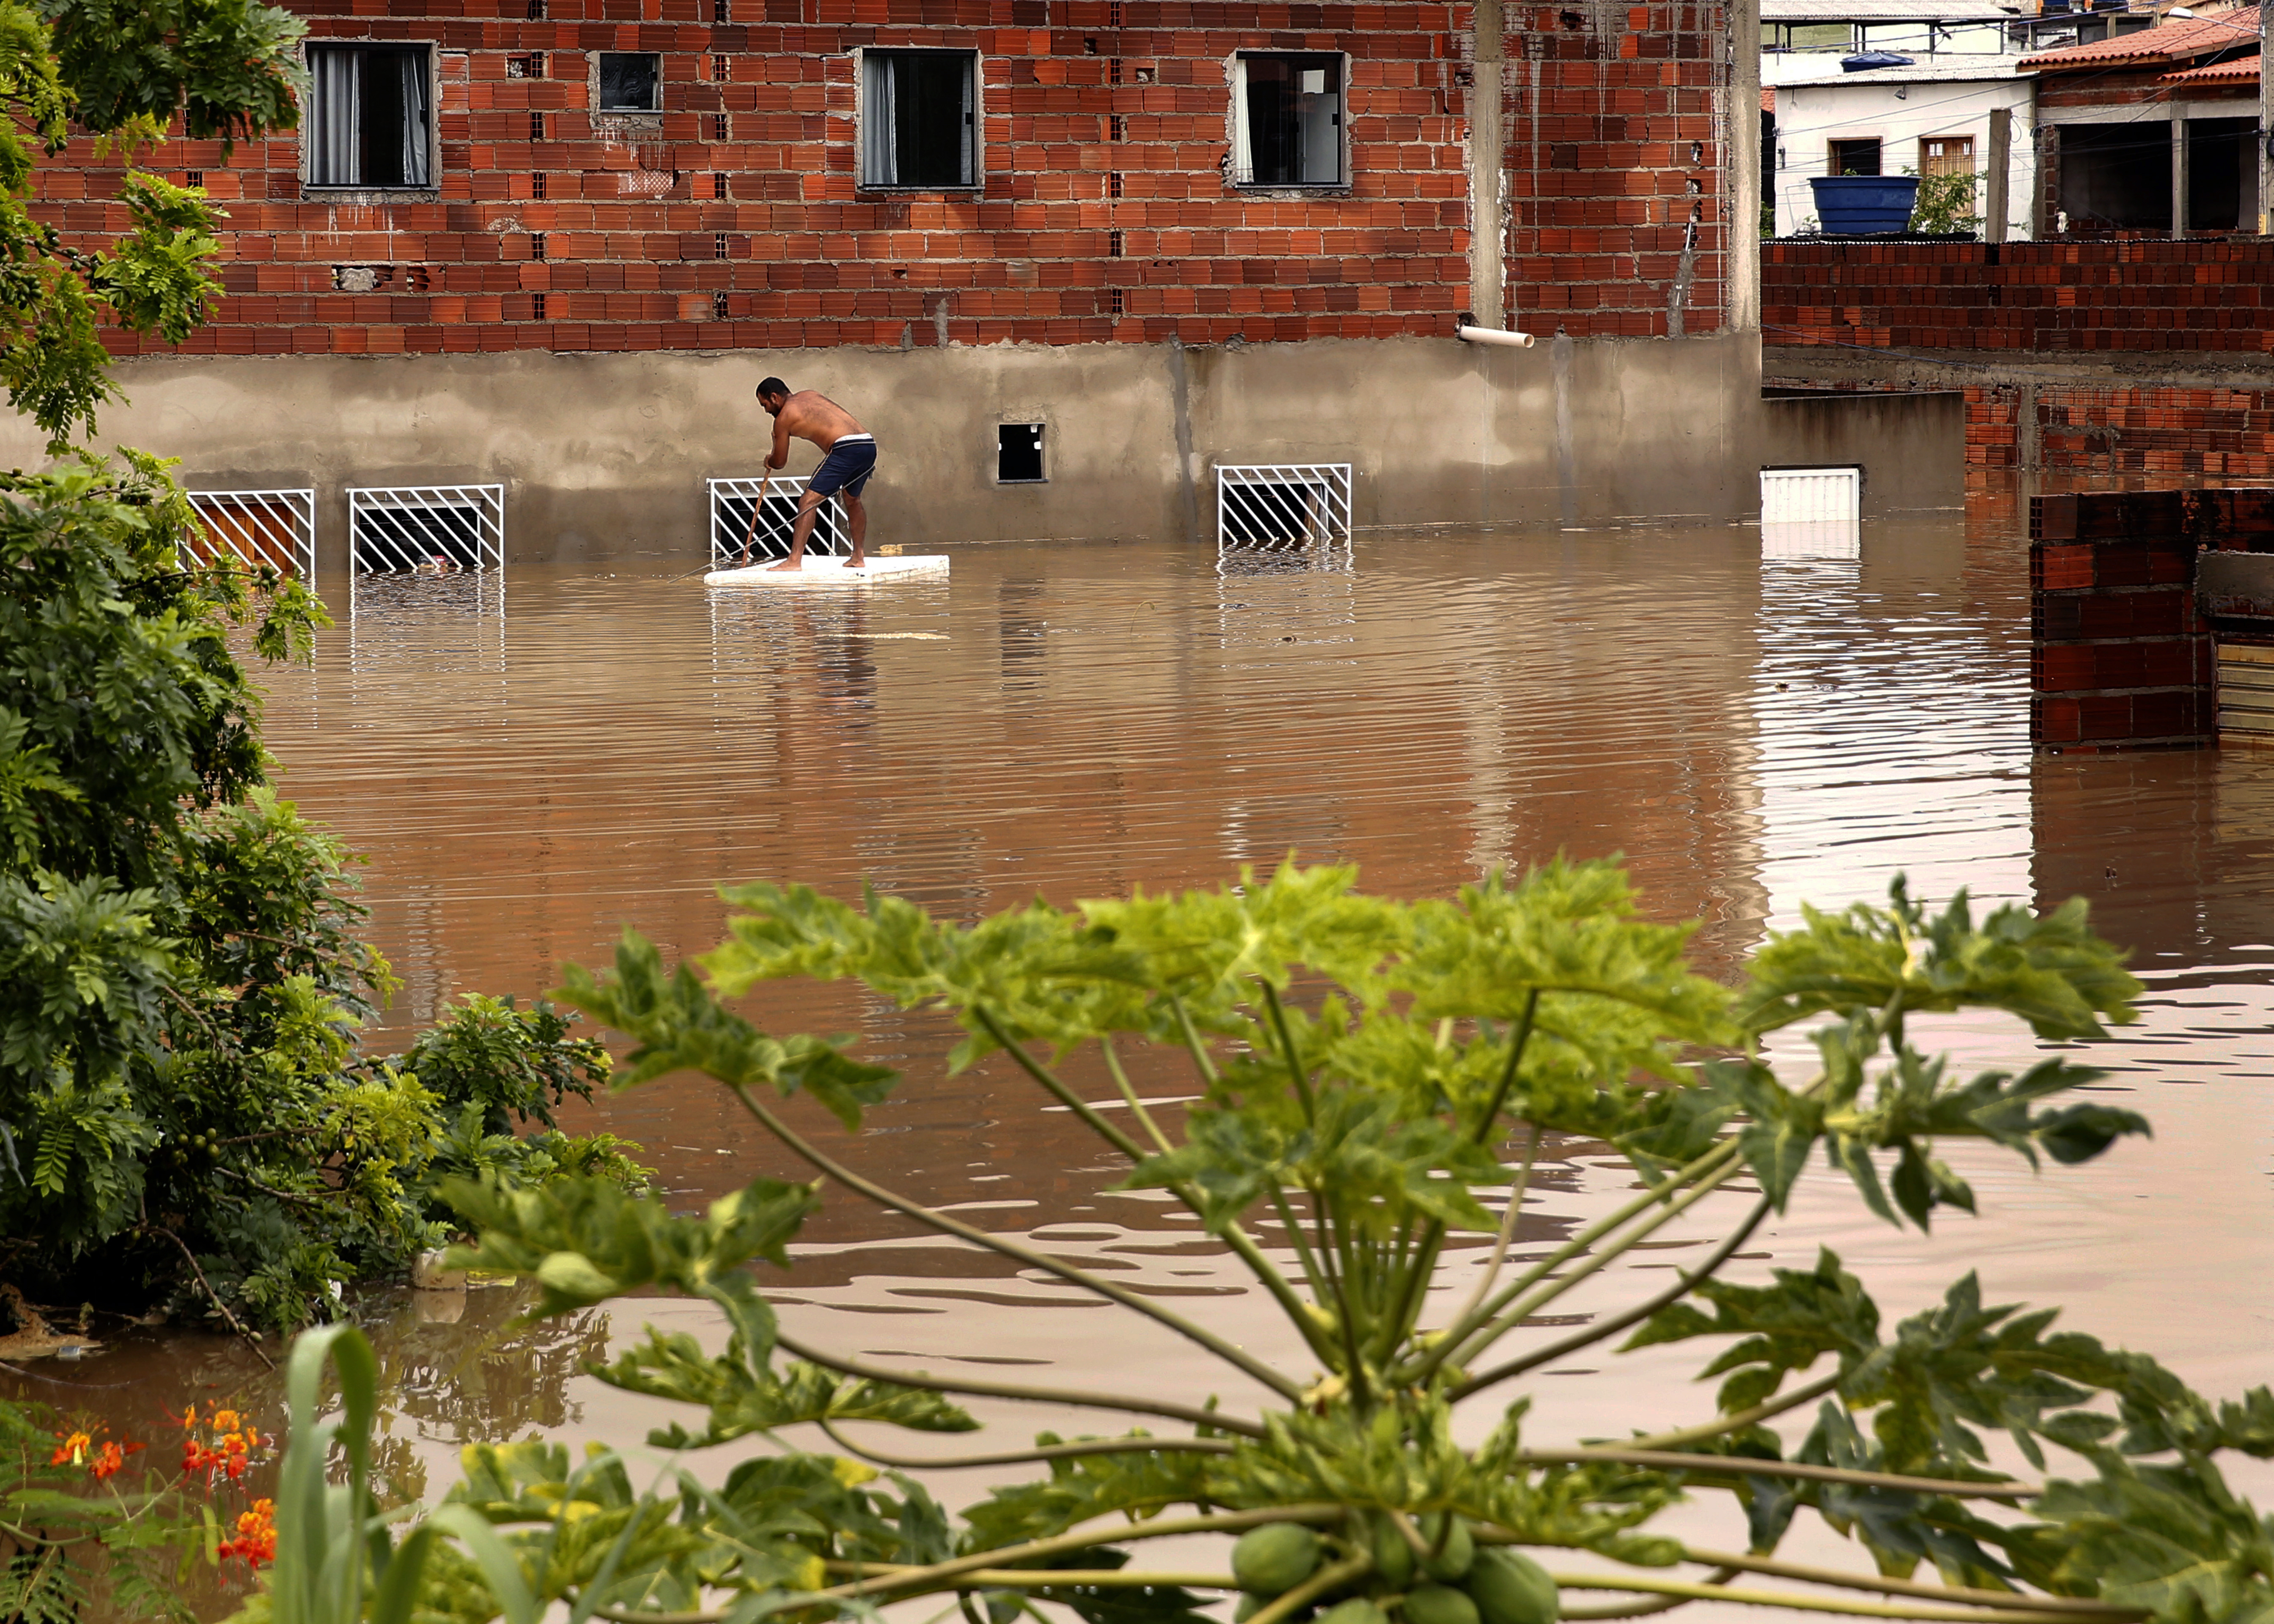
{"x": 1802, "y": 39}
{"x": 1926, "y": 119}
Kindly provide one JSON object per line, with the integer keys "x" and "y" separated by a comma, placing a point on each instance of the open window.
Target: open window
{"x": 920, "y": 119}
{"x": 370, "y": 118}
{"x": 630, "y": 82}
{"x": 1287, "y": 119}
{"x": 1860, "y": 156}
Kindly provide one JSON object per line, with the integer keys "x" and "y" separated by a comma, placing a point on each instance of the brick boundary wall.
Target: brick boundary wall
{"x": 2153, "y": 430}
{"x": 2120, "y": 655}
{"x": 1104, "y": 215}
{"x": 2093, "y": 297}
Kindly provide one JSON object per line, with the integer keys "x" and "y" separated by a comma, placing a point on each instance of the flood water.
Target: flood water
{"x": 532, "y": 764}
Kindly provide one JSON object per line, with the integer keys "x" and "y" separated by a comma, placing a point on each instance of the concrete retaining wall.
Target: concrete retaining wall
{"x": 605, "y": 456}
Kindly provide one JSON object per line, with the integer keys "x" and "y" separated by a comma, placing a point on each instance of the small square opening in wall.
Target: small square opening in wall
{"x": 1018, "y": 454}
{"x": 631, "y": 82}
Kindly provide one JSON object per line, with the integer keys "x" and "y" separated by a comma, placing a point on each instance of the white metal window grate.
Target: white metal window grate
{"x": 1812, "y": 512}
{"x": 276, "y": 528}
{"x": 433, "y": 529}
{"x": 1282, "y": 504}
{"x": 775, "y": 500}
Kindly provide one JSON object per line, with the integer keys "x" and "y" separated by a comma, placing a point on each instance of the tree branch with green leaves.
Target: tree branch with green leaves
{"x": 1361, "y": 1075}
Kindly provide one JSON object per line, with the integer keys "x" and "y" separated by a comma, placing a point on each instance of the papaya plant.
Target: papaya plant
{"x": 1370, "y": 1080}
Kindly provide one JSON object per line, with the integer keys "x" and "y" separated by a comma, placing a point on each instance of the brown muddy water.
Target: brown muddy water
{"x": 532, "y": 764}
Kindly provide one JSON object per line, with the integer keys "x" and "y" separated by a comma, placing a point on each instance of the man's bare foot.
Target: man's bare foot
{"x": 855, "y": 562}
{"x": 788, "y": 564}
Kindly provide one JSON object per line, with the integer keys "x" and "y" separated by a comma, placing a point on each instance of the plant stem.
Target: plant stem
{"x": 1158, "y": 1528}
{"x": 1744, "y": 1466}
{"x": 1287, "y": 1052}
{"x": 1239, "y": 1358}
{"x": 1052, "y": 1452}
{"x": 1318, "y": 1584}
{"x": 1193, "y": 1044}
{"x": 1127, "y": 1404}
{"x": 1507, "y": 1320}
{"x": 1129, "y": 1094}
{"x": 1507, "y": 1234}
{"x": 1517, "y": 1045}
{"x": 1242, "y": 1245}
{"x": 1625, "y": 1317}
{"x": 1032, "y": 1579}
{"x": 1303, "y": 1254}
{"x": 1740, "y": 1420}
{"x": 2014, "y": 1600}
{"x": 1631, "y": 1610}
{"x": 1414, "y": 1277}
{"x": 1806, "y": 1604}
{"x": 1458, "y": 1334}
{"x": 1338, "y": 1273}
{"x": 206, "y": 1285}
{"x": 1064, "y": 1096}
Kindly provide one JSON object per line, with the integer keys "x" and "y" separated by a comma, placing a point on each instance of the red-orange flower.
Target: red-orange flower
{"x": 255, "y": 1543}
{"x": 73, "y": 1449}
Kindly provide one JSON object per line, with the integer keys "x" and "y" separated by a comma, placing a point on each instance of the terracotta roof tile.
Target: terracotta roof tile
{"x": 2239, "y": 71}
{"x": 2171, "y": 41}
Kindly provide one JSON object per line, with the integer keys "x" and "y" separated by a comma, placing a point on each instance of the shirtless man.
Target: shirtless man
{"x": 843, "y": 472}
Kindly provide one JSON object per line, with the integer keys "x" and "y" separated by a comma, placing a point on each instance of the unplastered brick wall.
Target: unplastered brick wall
{"x": 2098, "y": 297}
{"x": 2150, "y": 430}
{"x": 1617, "y": 214}
{"x": 733, "y": 219}
{"x": 2120, "y": 657}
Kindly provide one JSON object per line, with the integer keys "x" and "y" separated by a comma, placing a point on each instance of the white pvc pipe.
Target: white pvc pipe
{"x": 1493, "y": 335}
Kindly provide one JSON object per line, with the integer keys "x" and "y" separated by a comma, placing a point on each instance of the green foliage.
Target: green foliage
{"x": 1362, "y": 1072}
{"x": 181, "y": 980}
{"x": 1945, "y": 204}
{"x": 120, "y": 70}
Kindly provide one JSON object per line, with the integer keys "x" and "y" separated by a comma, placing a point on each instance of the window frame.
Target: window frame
{"x": 1236, "y": 131}
{"x": 600, "y": 79}
{"x": 1947, "y": 163}
{"x": 1833, "y": 164}
{"x": 357, "y": 192}
{"x": 976, "y": 62}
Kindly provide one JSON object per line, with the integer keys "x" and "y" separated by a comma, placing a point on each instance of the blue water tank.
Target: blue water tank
{"x": 1863, "y": 205}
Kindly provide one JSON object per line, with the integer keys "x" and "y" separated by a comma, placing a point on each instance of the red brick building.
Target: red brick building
{"x": 1025, "y": 189}
{"x": 713, "y": 191}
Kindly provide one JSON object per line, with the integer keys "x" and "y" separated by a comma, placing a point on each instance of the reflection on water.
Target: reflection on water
{"x": 1079, "y": 720}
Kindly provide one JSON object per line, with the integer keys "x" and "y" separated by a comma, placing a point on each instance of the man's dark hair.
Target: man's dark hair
{"x": 772, "y": 386}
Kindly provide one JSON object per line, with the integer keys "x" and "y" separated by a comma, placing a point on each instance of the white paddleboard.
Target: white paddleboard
{"x": 815, "y": 571}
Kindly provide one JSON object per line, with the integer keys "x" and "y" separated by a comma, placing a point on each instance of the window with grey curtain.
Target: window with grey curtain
{"x": 370, "y": 116}
{"x": 919, "y": 112}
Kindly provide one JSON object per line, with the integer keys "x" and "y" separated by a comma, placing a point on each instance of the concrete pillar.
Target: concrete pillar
{"x": 2265, "y": 134}
{"x": 2179, "y": 169}
{"x": 1740, "y": 148}
{"x": 1998, "y": 171}
{"x": 1488, "y": 150}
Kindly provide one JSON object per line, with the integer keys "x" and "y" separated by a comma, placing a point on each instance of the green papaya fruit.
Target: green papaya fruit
{"x": 1451, "y": 1550}
{"x": 1357, "y": 1610}
{"x": 1246, "y": 1609}
{"x": 1393, "y": 1557}
{"x": 1510, "y": 1588}
{"x": 1439, "y": 1604}
{"x": 1273, "y": 1560}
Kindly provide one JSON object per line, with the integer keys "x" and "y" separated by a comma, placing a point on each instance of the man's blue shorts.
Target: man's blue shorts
{"x": 847, "y": 468}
